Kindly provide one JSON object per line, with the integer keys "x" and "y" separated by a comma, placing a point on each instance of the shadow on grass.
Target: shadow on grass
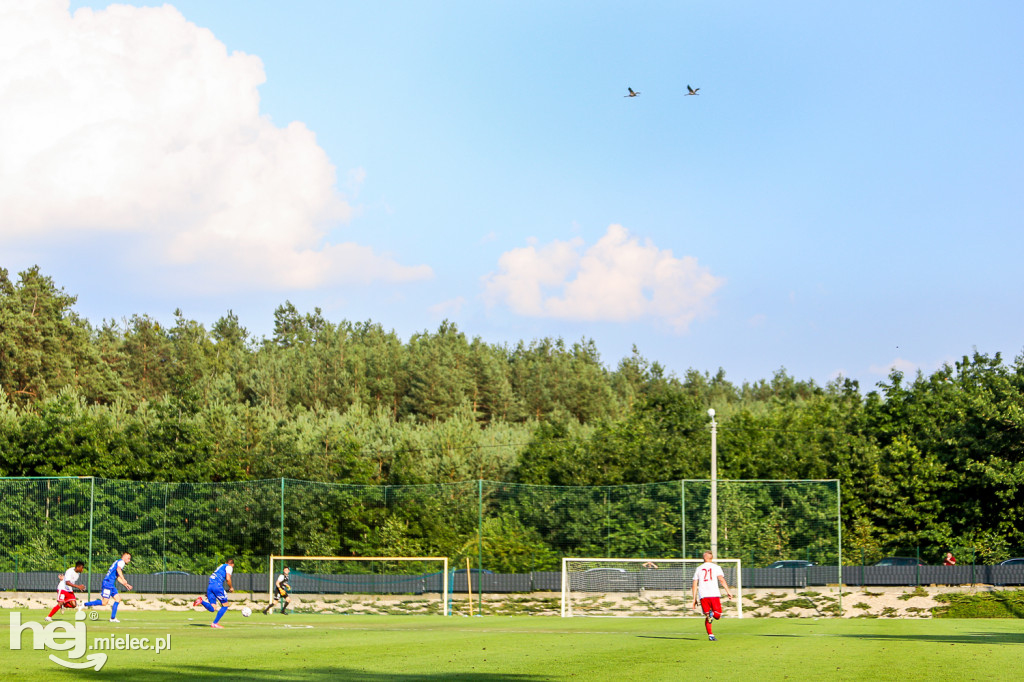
{"x": 966, "y": 638}
{"x": 200, "y": 672}
{"x": 672, "y": 637}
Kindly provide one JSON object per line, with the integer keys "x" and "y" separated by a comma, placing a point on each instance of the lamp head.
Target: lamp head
{"x": 711, "y": 412}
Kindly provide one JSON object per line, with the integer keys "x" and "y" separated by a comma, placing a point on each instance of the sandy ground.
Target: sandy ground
{"x": 884, "y": 602}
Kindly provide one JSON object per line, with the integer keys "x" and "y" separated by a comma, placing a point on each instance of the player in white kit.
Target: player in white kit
{"x": 705, "y": 587}
{"x": 65, "y": 590}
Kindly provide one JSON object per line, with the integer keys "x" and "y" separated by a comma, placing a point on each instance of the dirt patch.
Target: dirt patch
{"x": 869, "y": 602}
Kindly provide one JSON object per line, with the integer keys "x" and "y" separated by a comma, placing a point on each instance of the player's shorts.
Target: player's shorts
{"x": 67, "y": 598}
{"x": 108, "y": 592}
{"x": 711, "y": 605}
{"x": 216, "y": 593}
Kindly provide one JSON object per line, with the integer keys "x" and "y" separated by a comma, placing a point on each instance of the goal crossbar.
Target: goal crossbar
{"x": 288, "y": 557}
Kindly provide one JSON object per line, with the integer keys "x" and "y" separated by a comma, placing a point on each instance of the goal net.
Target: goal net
{"x": 369, "y": 585}
{"x": 641, "y": 587}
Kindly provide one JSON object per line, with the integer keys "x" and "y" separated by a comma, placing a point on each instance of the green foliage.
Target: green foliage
{"x": 916, "y": 592}
{"x": 509, "y": 546}
{"x": 44, "y": 344}
{"x": 1003, "y": 604}
{"x": 935, "y": 462}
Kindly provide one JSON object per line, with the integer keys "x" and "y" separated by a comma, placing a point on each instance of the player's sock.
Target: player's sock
{"x": 94, "y": 602}
{"x": 707, "y": 626}
{"x": 55, "y": 610}
{"x": 208, "y": 607}
{"x": 220, "y": 613}
{"x": 113, "y": 610}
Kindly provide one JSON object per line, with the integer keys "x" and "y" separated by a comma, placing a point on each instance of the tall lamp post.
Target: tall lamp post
{"x": 714, "y": 483}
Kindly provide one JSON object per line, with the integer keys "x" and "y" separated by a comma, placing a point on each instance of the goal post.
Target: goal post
{"x": 369, "y": 575}
{"x": 643, "y": 588}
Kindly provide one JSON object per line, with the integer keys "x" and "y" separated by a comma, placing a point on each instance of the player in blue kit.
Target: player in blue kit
{"x": 115, "y": 575}
{"x": 215, "y": 591}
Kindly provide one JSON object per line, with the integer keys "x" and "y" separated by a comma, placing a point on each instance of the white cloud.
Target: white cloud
{"x": 910, "y": 368}
{"x": 906, "y": 366}
{"x": 134, "y": 121}
{"x": 450, "y": 307}
{"x": 617, "y": 279}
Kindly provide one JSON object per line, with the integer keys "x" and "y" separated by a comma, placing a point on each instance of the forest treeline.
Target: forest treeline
{"x": 933, "y": 461}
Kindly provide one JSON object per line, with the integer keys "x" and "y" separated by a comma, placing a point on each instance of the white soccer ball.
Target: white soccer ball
{"x": 246, "y": 611}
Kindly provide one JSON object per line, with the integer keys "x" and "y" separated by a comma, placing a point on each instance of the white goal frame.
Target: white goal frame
{"x": 636, "y": 566}
{"x": 442, "y": 559}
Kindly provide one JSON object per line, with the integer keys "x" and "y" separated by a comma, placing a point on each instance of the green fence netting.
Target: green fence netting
{"x": 48, "y": 523}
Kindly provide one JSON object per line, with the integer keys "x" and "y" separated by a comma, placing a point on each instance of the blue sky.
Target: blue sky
{"x": 843, "y": 197}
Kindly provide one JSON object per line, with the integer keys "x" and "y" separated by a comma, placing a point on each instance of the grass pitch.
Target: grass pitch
{"x": 378, "y": 648}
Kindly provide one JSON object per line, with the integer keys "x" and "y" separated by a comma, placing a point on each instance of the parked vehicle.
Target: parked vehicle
{"x": 1016, "y": 561}
{"x": 792, "y": 563}
{"x": 605, "y": 578}
{"x": 898, "y": 561}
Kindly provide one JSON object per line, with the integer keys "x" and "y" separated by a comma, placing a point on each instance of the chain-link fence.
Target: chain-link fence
{"x": 176, "y": 531}
{"x": 915, "y": 566}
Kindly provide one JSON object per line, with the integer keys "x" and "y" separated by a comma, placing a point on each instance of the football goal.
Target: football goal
{"x": 365, "y": 584}
{"x": 641, "y": 587}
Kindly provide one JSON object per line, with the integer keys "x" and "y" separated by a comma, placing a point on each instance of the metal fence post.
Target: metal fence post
{"x": 607, "y": 526}
{"x": 92, "y": 500}
{"x": 164, "y": 551}
{"x": 839, "y": 542}
{"x": 480, "y": 541}
{"x": 282, "y": 516}
{"x": 682, "y": 519}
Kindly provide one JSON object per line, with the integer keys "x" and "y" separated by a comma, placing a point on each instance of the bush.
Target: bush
{"x": 1008, "y": 604}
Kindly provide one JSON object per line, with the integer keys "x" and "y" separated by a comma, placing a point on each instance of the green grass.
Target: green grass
{"x": 1008, "y": 604}
{"x": 379, "y": 648}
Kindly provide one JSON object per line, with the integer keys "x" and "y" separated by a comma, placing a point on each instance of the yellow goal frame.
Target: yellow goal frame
{"x": 442, "y": 559}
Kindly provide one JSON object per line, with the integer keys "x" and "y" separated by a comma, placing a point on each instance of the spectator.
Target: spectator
{"x": 950, "y": 560}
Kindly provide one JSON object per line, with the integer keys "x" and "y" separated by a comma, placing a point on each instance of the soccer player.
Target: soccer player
{"x": 115, "y": 575}
{"x": 705, "y": 586}
{"x": 65, "y": 590}
{"x": 282, "y": 589}
{"x": 215, "y": 592}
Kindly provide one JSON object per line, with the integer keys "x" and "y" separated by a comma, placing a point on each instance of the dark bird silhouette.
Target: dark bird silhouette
{"x": 692, "y": 91}
{"x": 631, "y": 93}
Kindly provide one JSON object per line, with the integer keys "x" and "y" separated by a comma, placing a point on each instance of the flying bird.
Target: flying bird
{"x": 631, "y": 93}
{"x": 692, "y": 91}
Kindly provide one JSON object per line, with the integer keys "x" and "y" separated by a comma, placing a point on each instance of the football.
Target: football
{"x": 246, "y": 611}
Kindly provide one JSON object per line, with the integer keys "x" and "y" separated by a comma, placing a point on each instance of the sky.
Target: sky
{"x": 843, "y": 196}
